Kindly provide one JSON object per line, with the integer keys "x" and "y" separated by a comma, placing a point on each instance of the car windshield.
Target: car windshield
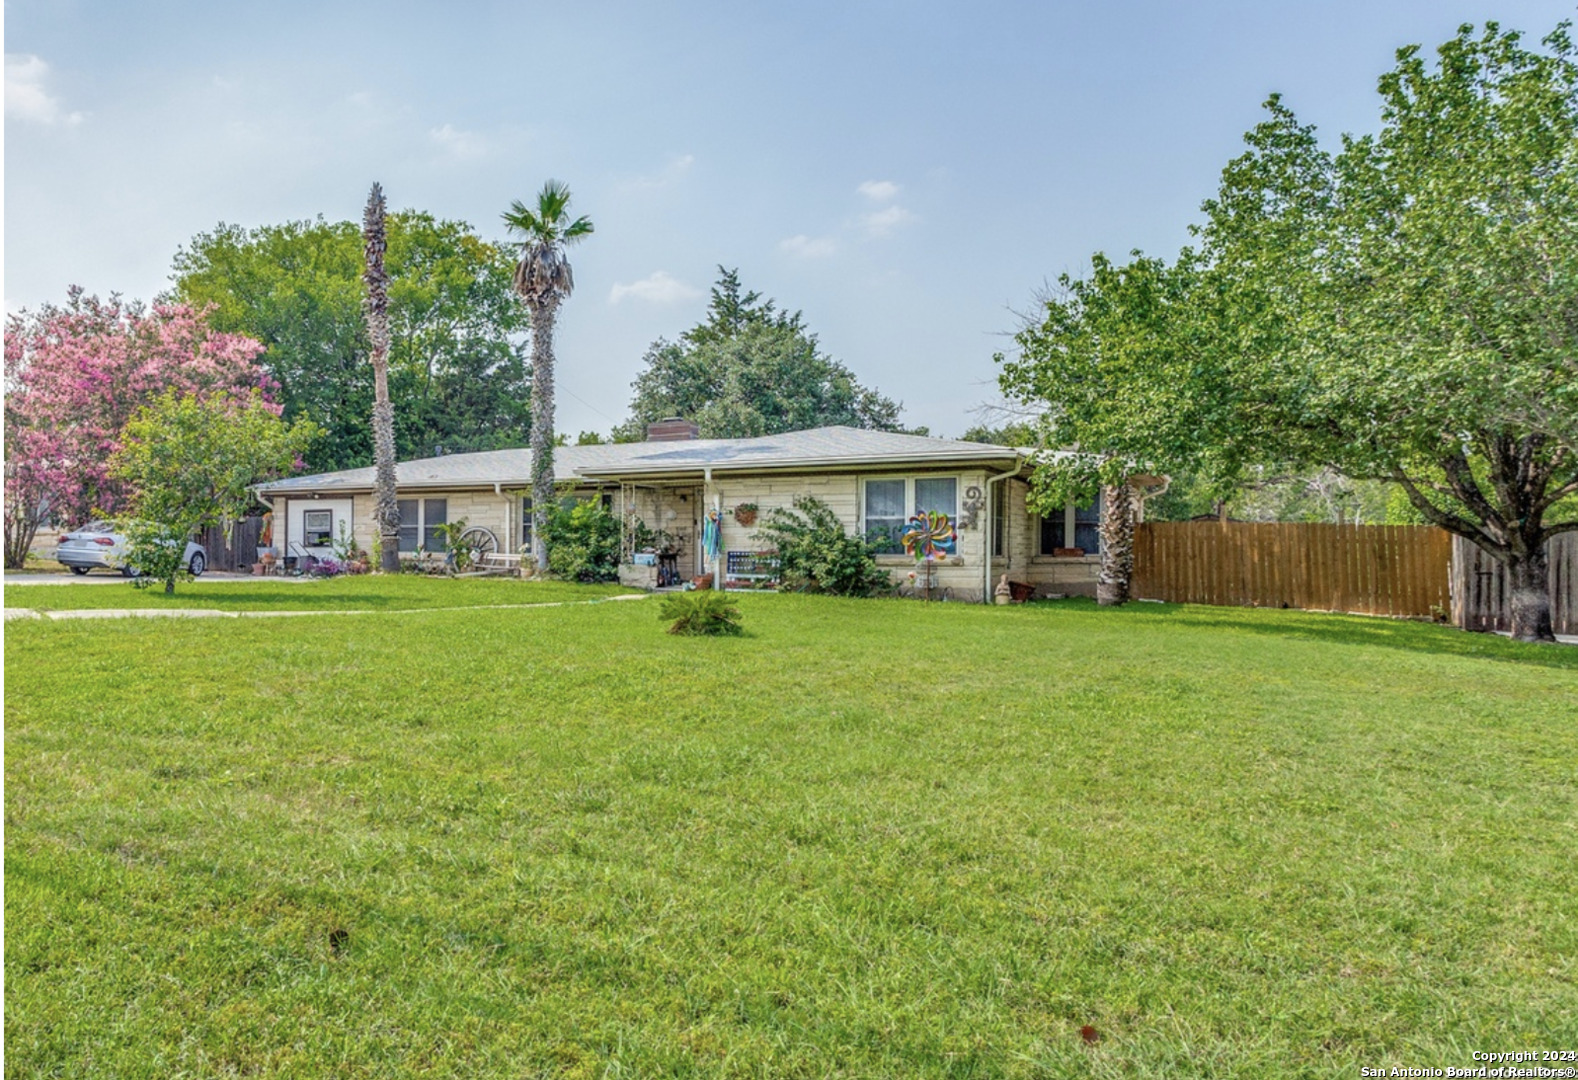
{"x": 96, "y": 527}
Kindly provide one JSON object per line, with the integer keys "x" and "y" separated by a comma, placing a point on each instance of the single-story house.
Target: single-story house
{"x": 873, "y": 480}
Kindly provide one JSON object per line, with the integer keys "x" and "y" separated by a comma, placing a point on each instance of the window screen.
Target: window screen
{"x": 409, "y": 530}
{"x": 435, "y": 512}
{"x": 1087, "y": 526}
{"x": 885, "y": 514}
{"x": 939, "y": 495}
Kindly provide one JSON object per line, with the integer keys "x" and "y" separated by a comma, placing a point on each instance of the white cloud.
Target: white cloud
{"x": 656, "y": 288}
{"x": 878, "y": 190}
{"x": 882, "y": 222}
{"x": 25, "y": 96}
{"x": 457, "y": 143}
{"x": 809, "y": 247}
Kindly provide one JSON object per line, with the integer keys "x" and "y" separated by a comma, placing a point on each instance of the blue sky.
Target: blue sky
{"x": 907, "y": 174}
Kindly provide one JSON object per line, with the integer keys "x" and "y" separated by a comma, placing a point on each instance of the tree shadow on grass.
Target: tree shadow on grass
{"x": 1361, "y": 630}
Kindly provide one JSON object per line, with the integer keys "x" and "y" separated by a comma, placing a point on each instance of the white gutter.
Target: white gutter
{"x": 986, "y": 534}
{"x": 498, "y": 489}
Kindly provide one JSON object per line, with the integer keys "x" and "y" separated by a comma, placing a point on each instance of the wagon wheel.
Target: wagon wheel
{"x": 477, "y": 542}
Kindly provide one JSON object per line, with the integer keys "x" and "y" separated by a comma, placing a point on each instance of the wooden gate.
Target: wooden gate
{"x": 235, "y": 549}
{"x": 1400, "y": 570}
{"x": 1479, "y": 586}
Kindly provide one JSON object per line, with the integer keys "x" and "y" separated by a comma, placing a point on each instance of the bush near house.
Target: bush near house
{"x": 816, "y": 555}
{"x": 583, "y": 542}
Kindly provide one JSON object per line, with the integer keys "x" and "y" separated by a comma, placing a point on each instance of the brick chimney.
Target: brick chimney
{"x": 673, "y": 429}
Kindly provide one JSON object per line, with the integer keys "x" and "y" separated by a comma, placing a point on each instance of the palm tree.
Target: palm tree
{"x": 543, "y": 280}
{"x": 1117, "y": 544}
{"x": 386, "y": 510}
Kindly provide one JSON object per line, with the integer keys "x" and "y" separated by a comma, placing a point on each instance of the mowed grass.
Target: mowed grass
{"x": 368, "y": 592}
{"x": 869, "y": 839}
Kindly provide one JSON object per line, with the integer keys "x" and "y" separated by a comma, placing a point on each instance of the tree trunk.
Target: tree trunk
{"x": 386, "y": 507}
{"x": 1529, "y": 594}
{"x": 19, "y": 534}
{"x": 1117, "y": 545}
{"x": 542, "y": 322}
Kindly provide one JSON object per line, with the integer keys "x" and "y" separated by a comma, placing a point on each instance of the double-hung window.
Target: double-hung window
{"x": 1078, "y": 526}
{"x": 890, "y": 503}
{"x": 418, "y": 521}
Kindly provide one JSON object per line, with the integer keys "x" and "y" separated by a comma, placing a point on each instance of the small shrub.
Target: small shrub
{"x": 583, "y": 542}
{"x": 701, "y": 613}
{"x": 449, "y": 534}
{"x": 815, "y": 554}
{"x": 157, "y": 552}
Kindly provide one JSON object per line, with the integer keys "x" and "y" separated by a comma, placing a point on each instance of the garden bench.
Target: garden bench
{"x": 499, "y": 562}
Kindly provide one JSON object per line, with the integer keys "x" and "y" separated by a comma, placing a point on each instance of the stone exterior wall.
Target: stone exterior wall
{"x": 679, "y": 508}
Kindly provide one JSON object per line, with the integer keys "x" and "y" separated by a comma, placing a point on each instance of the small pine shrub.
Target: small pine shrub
{"x": 704, "y": 612}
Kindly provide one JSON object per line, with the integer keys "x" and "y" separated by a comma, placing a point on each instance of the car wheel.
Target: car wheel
{"x": 131, "y": 571}
{"x": 198, "y": 564}
{"x": 80, "y": 570}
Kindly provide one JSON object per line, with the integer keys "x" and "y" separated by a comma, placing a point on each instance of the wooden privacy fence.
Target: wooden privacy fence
{"x": 1402, "y": 570}
{"x": 1480, "y": 587}
{"x": 233, "y": 549}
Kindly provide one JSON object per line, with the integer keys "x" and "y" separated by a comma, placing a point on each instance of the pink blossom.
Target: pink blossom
{"x": 74, "y": 376}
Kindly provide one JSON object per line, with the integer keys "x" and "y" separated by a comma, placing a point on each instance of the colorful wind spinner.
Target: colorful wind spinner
{"x": 929, "y": 536}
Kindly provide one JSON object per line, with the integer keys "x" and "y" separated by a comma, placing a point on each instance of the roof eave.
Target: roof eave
{"x": 842, "y": 464}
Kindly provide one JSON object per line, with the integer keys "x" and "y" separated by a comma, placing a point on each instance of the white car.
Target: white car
{"x": 97, "y": 544}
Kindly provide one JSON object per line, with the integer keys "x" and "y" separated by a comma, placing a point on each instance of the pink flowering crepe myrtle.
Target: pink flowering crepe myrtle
{"x": 76, "y": 374}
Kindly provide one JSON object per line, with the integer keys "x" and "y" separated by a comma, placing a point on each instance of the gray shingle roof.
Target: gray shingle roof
{"x": 819, "y": 448}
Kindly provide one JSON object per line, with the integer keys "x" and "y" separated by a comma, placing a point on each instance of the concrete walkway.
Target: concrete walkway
{"x": 214, "y": 613}
{"x": 109, "y": 577}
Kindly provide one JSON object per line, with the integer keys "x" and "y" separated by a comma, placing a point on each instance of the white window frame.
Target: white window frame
{"x": 909, "y": 500}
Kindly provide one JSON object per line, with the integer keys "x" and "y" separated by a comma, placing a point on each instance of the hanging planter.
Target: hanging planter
{"x": 745, "y": 514}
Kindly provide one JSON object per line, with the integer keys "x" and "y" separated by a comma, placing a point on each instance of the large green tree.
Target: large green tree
{"x": 750, "y": 369}
{"x": 458, "y": 377}
{"x": 1402, "y": 309}
{"x": 543, "y": 280}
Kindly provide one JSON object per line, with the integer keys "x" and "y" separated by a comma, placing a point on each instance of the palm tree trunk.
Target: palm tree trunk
{"x": 386, "y": 510}
{"x": 1117, "y": 545}
{"x": 542, "y": 322}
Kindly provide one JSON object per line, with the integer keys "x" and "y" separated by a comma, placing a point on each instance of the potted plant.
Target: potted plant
{"x": 745, "y": 514}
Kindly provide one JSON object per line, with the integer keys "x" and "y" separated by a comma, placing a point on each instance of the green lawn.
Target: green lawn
{"x": 871, "y": 838}
{"x": 365, "y": 592}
